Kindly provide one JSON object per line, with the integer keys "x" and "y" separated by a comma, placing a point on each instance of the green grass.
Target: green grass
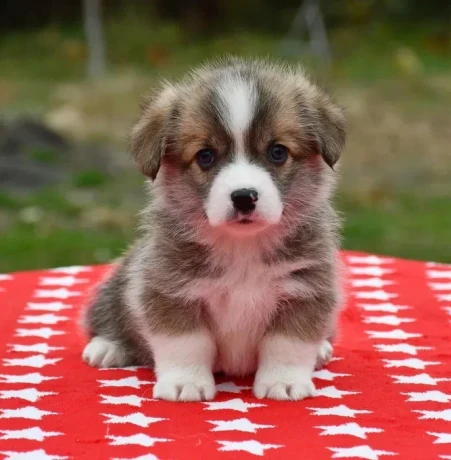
{"x": 410, "y": 227}
{"x": 25, "y": 247}
{"x": 394, "y": 197}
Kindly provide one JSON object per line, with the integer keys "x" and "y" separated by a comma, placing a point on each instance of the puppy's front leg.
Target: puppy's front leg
{"x": 288, "y": 352}
{"x": 183, "y": 366}
{"x": 285, "y": 368}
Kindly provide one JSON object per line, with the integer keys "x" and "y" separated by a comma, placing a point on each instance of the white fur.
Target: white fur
{"x": 183, "y": 366}
{"x": 101, "y": 352}
{"x": 285, "y": 368}
{"x": 239, "y": 99}
{"x": 242, "y": 174}
{"x": 324, "y": 354}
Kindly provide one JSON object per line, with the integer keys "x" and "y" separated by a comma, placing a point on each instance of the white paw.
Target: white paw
{"x": 325, "y": 354}
{"x": 101, "y": 352}
{"x": 284, "y": 383}
{"x": 185, "y": 385}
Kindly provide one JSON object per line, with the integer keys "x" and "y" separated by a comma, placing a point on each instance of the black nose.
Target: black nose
{"x": 244, "y": 199}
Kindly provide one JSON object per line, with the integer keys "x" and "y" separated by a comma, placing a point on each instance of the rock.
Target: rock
{"x": 33, "y": 155}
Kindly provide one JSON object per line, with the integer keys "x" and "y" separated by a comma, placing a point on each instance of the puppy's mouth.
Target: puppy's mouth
{"x": 245, "y": 221}
{"x": 245, "y": 224}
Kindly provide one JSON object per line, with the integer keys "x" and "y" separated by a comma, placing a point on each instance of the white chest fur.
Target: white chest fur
{"x": 241, "y": 303}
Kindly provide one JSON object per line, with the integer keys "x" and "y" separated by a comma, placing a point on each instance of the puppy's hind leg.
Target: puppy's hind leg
{"x": 107, "y": 324}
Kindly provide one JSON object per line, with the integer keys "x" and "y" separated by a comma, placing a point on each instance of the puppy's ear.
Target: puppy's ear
{"x": 149, "y": 136}
{"x": 330, "y": 130}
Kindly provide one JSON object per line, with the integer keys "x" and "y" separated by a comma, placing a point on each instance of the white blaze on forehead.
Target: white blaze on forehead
{"x": 239, "y": 99}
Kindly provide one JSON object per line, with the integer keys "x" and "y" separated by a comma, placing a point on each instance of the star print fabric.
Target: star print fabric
{"x": 386, "y": 394}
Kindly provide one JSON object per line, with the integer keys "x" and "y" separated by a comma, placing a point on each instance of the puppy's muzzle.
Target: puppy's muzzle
{"x": 244, "y": 200}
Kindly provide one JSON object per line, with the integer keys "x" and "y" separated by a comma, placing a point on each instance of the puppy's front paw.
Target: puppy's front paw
{"x": 184, "y": 385}
{"x": 101, "y": 352}
{"x": 325, "y": 354}
{"x": 283, "y": 384}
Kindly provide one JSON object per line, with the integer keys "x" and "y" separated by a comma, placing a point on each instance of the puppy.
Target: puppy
{"x": 237, "y": 267}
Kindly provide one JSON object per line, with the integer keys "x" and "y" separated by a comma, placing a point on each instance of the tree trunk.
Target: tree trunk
{"x": 92, "y": 10}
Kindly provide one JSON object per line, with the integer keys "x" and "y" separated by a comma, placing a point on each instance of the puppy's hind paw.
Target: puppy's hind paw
{"x": 325, "y": 354}
{"x": 101, "y": 352}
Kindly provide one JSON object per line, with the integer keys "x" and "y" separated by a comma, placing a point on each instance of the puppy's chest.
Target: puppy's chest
{"x": 241, "y": 303}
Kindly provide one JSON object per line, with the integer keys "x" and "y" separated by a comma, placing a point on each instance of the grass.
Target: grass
{"x": 396, "y": 171}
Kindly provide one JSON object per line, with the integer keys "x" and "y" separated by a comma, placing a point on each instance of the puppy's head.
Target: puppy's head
{"x": 240, "y": 144}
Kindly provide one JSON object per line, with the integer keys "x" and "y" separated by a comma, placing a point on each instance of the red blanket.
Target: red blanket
{"x": 386, "y": 393}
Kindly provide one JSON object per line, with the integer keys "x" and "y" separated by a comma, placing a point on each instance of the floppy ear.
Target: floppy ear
{"x": 149, "y": 136}
{"x": 330, "y": 130}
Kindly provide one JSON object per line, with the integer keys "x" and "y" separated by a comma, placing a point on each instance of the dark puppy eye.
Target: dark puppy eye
{"x": 278, "y": 154}
{"x": 205, "y": 158}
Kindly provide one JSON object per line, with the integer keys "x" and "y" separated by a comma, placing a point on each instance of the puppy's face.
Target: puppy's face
{"x": 240, "y": 145}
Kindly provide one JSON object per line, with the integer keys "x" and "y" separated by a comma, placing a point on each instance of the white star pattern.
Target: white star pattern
{"x": 390, "y": 320}
{"x": 4, "y": 277}
{"x": 386, "y": 307}
{"x": 142, "y": 457}
{"x": 351, "y": 429}
{"x": 252, "y": 447}
{"x": 419, "y": 379}
{"x": 39, "y": 454}
{"x": 130, "y": 400}
{"x": 439, "y": 274}
{"x": 326, "y": 374}
{"x": 401, "y": 348}
{"x": 365, "y": 452}
{"x": 333, "y": 392}
{"x": 34, "y": 434}
{"x": 61, "y": 293}
{"x": 341, "y": 411}
{"x": 369, "y": 260}
{"x": 48, "y": 318}
{"x": 37, "y": 361}
{"x": 42, "y": 348}
{"x": 442, "y": 438}
{"x": 29, "y": 412}
{"x": 48, "y": 306}
{"x": 137, "y": 418}
{"x": 370, "y": 282}
{"x": 139, "y": 439}
{"x": 376, "y": 295}
{"x": 34, "y": 378}
{"x": 436, "y": 396}
{"x": 397, "y": 334}
{"x": 412, "y": 363}
{"x": 27, "y": 394}
{"x": 241, "y": 424}
{"x": 43, "y": 332}
{"x": 230, "y": 387}
{"x": 370, "y": 271}
{"x": 444, "y": 297}
{"x": 435, "y": 414}
{"x": 74, "y": 270}
{"x": 66, "y": 281}
{"x": 132, "y": 382}
{"x": 440, "y": 286}
{"x": 232, "y": 404}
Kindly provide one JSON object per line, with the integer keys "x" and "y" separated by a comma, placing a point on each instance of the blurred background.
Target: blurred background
{"x": 72, "y": 74}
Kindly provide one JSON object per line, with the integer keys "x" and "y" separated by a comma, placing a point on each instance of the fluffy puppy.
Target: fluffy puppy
{"x": 236, "y": 270}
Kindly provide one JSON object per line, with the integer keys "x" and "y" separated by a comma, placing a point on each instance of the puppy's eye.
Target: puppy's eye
{"x": 278, "y": 154}
{"x": 205, "y": 158}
